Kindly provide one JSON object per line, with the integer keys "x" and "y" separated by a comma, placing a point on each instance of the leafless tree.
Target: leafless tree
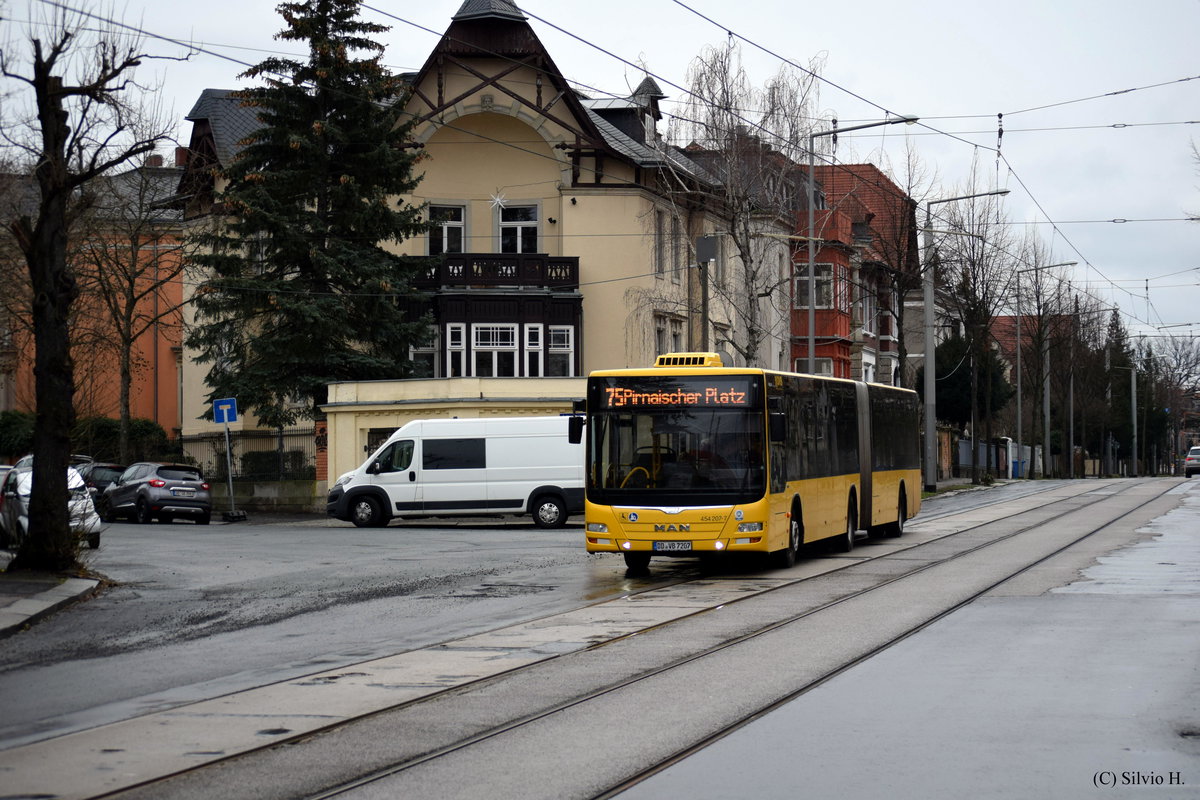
{"x": 977, "y": 266}
{"x": 896, "y": 248}
{"x": 133, "y": 256}
{"x": 749, "y": 141}
{"x": 76, "y": 118}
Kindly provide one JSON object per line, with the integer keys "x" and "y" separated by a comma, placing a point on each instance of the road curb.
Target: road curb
{"x": 27, "y": 610}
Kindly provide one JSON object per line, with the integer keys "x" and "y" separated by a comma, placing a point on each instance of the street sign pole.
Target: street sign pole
{"x": 229, "y": 468}
{"x": 225, "y": 411}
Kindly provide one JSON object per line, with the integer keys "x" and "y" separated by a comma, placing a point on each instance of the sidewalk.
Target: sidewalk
{"x": 26, "y": 597}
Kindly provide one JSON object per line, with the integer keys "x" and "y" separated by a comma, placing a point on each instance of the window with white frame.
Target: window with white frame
{"x": 560, "y": 353}
{"x": 446, "y": 229}
{"x": 425, "y": 357}
{"x": 533, "y": 350}
{"x": 519, "y": 229}
{"x": 456, "y": 350}
{"x": 668, "y": 334}
{"x": 870, "y": 311}
{"x": 823, "y": 281}
{"x": 494, "y": 348}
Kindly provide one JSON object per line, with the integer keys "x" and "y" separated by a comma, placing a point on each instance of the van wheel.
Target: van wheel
{"x": 366, "y": 512}
{"x": 549, "y": 512}
{"x": 94, "y": 541}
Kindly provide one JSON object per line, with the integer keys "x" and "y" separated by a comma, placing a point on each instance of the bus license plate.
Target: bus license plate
{"x": 672, "y": 546}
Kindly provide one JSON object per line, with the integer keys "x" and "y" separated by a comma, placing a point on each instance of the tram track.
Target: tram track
{"x": 1083, "y": 502}
{"x": 729, "y": 729}
{"x": 907, "y": 562}
{"x": 381, "y": 775}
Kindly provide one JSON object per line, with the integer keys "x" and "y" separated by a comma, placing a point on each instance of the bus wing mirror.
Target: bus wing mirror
{"x": 778, "y": 427}
{"x": 575, "y": 429}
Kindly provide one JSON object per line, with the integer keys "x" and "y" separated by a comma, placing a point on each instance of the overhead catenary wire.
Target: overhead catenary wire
{"x": 219, "y": 55}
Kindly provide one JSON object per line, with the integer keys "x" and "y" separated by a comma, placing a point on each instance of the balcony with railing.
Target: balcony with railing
{"x": 502, "y": 271}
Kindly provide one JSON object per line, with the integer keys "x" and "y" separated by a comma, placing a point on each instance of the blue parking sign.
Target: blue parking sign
{"x": 225, "y": 410}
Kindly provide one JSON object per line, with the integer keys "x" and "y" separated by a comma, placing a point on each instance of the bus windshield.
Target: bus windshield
{"x": 676, "y": 441}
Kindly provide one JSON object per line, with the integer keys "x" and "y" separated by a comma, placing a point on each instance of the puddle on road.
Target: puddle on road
{"x": 1168, "y": 564}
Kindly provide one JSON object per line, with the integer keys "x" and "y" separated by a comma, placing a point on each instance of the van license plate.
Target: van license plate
{"x": 672, "y": 546}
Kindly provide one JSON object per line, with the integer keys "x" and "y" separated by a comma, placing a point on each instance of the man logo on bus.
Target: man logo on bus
{"x": 684, "y": 528}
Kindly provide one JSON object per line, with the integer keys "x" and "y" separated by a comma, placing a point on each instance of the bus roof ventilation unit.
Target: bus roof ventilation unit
{"x": 689, "y": 360}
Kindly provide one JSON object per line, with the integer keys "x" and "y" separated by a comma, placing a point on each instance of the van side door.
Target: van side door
{"x": 395, "y": 471}
{"x": 453, "y": 475}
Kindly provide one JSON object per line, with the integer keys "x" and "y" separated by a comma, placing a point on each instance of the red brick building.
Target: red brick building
{"x": 870, "y": 242}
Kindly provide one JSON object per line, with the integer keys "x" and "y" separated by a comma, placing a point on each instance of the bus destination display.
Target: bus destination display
{"x": 677, "y": 393}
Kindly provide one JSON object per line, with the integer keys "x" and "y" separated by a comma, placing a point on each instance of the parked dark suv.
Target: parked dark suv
{"x": 97, "y": 475}
{"x": 147, "y": 491}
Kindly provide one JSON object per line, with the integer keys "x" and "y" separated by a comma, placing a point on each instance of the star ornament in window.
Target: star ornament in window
{"x": 499, "y": 200}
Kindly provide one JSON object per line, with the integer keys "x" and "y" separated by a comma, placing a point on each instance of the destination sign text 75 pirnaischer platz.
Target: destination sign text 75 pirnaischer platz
{"x": 712, "y": 396}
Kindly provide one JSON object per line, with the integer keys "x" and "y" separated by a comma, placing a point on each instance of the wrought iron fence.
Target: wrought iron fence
{"x": 282, "y": 455}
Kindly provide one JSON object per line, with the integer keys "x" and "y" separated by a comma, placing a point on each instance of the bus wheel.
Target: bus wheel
{"x": 637, "y": 562}
{"x": 897, "y": 527}
{"x": 845, "y": 542}
{"x": 785, "y": 558}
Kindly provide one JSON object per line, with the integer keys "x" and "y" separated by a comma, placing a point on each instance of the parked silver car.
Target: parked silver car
{"x": 15, "y": 490}
{"x": 1191, "y": 463}
{"x": 151, "y": 490}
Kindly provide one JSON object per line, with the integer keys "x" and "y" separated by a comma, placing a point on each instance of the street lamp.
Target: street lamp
{"x": 1045, "y": 373}
{"x": 930, "y": 377}
{"x": 812, "y": 242}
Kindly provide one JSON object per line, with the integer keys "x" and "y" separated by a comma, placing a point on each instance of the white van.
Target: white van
{"x": 444, "y": 467}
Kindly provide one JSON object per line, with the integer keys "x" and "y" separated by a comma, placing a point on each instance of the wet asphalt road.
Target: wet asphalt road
{"x": 198, "y": 611}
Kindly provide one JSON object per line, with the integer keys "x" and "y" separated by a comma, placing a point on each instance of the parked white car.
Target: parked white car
{"x": 1191, "y": 463}
{"x": 15, "y": 490}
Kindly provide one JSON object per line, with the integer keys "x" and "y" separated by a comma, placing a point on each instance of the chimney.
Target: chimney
{"x": 181, "y": 156}
{"x": 154, "y": 161}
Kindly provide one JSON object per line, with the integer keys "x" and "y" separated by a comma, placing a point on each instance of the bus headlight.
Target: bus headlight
{"x": 597, "y": 527}
{"x": 749, "y": 527}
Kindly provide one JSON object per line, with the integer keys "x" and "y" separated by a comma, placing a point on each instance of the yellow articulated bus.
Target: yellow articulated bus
{"x": 692, "y": 458}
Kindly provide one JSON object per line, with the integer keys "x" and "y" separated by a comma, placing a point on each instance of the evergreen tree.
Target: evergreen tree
{"x": 1119, "y": 362}
{"x": 952, "y": 363}
{"x": 302, "y": 289}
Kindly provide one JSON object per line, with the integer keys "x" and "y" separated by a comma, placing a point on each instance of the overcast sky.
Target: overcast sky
{"x": 1101, "y": 99}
